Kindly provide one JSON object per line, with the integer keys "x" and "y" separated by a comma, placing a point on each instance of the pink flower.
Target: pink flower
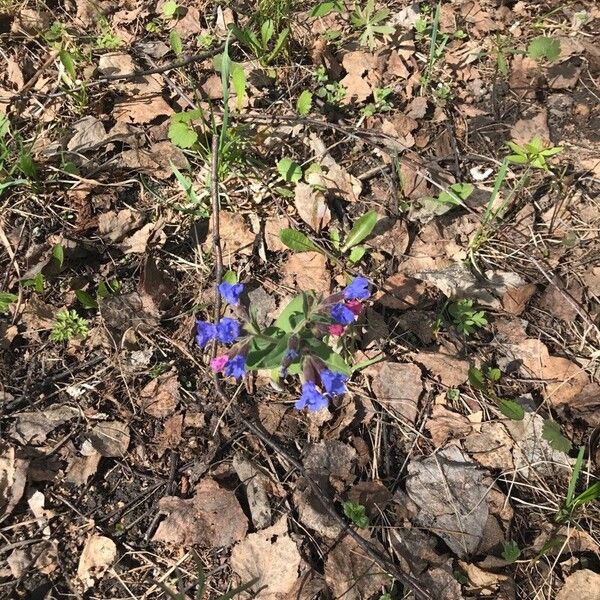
{"x": 355, "y": 306}
{"x": 218, "y": 363}
{"x": 336, "y": 329}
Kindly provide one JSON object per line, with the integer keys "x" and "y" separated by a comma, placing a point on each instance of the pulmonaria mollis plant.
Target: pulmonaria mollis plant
{"x": 301, "y": 341}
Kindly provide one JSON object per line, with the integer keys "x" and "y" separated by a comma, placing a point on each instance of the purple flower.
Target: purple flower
{"x": 231, "y": 292}
{"x": 204, "y": 332}
{"x": 235, "y": 367}
{"x": 333, "y": 382}
{"x": 358, "y": 289}
{"x": 228, "y": 330}
{"x": 342, "y": 314}
{"x": 311, "y": 398}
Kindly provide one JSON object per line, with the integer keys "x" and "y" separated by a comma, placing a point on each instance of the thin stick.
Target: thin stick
{"x": 383, "y": 561}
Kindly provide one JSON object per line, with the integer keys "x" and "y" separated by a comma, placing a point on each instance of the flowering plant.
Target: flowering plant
{"x": 302, "y": 341}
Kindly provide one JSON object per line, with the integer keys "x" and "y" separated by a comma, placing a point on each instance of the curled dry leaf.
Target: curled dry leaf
{"x": 160, "y": 396}
{"x": 398, "y": 387}
{"x": 311, "y": 206}
{"x": 13, "y": 476}
{"x": 81, "y": 468}
{"x": 351, "y": 574}
{"x": 170, "y": 437}
{"x": 270, "y": 556}
{"x": 33, "y": 427}
{"x": 445, "y": 425}
{"x": 115, "y": 226}
{"x": 98, "y": 555}
{"x": 212, "y": 518}
{"x": 272, "y": 229}
{"x": 515, "y": 299}
{"x": 110, "y": 438}
{"x": 449, "y": 490}
{"x": 338, "y": 181}
{"x": 389, "y": 235}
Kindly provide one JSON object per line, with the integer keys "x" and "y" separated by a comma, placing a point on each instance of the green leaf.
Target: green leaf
{"x": 266, "y": 32}
{"x": 291, "y": 314}
{"x": 324, "y": 8}
{"x": 87, "y": 301}
{"x": 476, "y": 378}
{"x": 182, "y": 135}
{"x": 304, "y": 103}
{"x": 68, "y": 63}
{"x": 27, "y": 165}
{"x": 6, "y": 298}
{"x": 494, "y": 374}
{"x": 175, "y": 42}
{"x": 589, "y": 495}
{"x": 356, "y": 254}
{"x": 510, "y": 551}
{"x": 511, "y": 409}
{"x": 362, "y": 228}
{"x": 58, "y": 254}
{"x": 230, "y": 277}
{"x": 289, "y": 170}
{"x": 279, "y": 44}
{"x": 552, "y": 434}
{"x": 238, "y": 80}
{"x": 456, "y": 194}
{"x": 544, "y": 47}
{"x": 170, "y": 8}
{"x": 297, "y": 241}
{"x": 356, "y": 513}
{"x": 332, "y": 359}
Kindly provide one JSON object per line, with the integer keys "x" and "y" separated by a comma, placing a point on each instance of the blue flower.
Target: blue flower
{"x": 358, "y": 289}
{"x": 231, "y": 292}
{"x": 333, "y": 382}
{"x": 228, "y": 330}
{"x": 342, "y": 314}
{"x": 235, "y": 367}
{"x": 311, "y": 398}
{"x": 204, "y": 332}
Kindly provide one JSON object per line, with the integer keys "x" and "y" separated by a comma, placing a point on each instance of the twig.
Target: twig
{"x": 383, "y": 561}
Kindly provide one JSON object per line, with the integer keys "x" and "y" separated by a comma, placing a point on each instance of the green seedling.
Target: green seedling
{"x": 324, "y": 8}
{"x": 304, "y": 103}
{"x": 381, "y": 102}
{"x": 356, "y": 513}
{"x": 544, "y": 48}
{"x": 6, "y": 299}
{"x": 195, "y": 204}
{"x": 510, "y": 551}
{"x": 68, "y": 325}
{"x": 332, "y": 92}
{"x": 171, "y": 10}
{"x": 483, "y": 380}
{"x": 267, "y": 45}
{"x": 372, "y": 23}
{"x": 289, "y": 171}
{"x": 104, "y": 290}
{"x": 17, "y": 166}
{"x": 437, "y": 45}
{"x": 533, "y": 154}
{"x": 552, "y": 434}
{"x": 464, "y": 317}
{"x": 106, "y": 37}
{"x": 201, "y": 585}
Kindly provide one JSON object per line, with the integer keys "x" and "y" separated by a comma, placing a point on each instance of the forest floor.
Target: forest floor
{"x": 447, "y": 152}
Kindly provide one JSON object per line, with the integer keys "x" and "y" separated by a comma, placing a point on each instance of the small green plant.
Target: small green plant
{"x": 464, "y": 317}
{"x": 356, "y": 513}
{"x": 533, "y": 154}
{"x": 483, "y": 380}
{"x": 437, "y": 45}
{"x": 17, "y": 166}
{"x": 104, "y": 290}
{"x": 544, "y": 48}
{"x": 6, "y": 299}
{"x": 107, "y": 39}
{"x": 510, "y": 551}
{"x": 360, "y": 231}
{"x": 266, "y": 45}
{"x": 572, "y": 502}
{"x": 324, "y": 8}
{"x": 381, "y": 102}
{"x": 68, "y": 325}
{"x": 289, "y": 170}
{"x": 201, "y": 585}
{"x": 195, "y": 204}
{"x": 332, "y": 92}
{"x": 372, "y": 23}
{"x": 304, "y": 103}
{"x": 502, "y": 49}
{"x": 171, "y": 10}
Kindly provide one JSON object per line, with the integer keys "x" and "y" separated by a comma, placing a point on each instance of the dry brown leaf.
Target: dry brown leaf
{"x": 110, "y": 438}
{"x": 257, "y": 484}
{"x": 586, "y": 405}
{"x": 88, "y": 133}
{"x": 401, "y": 292}
{"x": 340, "y": 182}
{"x": 564, "y": 379}
{"x": 449, "y": 490}
{"x": 350, "y": 573}
{"x": 236, "y": 236}
{"x": 565, "y": 75}
{"x": 171, "y": 434}
{"x": 81, "y": 468}
{"x": 116, "y": 226}
{"x": 311, "y": 512}
{"x": 398, "y": 387}
{"x": 138, "y": 242}
{"x": 160, "y": 396}
{"x": 311, "y": 206}
{"x": 448, "y": 369}
{"x": 583, "y": 585}
{"x": 307, "y": 271}
{"x": 445, "y": 425}
{"x": 14, "y": 74}
{"x": 524, "y": 130}
{"x": 389, "y": 235}
{"x": 561, "y": 303}
{"x": 271, "y": 556}
{"x": 13, "y": 476}
{"x": 481, "y": 578}
{"x": 212, "y": 518}
{"x": 491, "y": 446}
{"x": 117, "y": 63}
{"x": 144, "y": 102}
{"x": 272, "y": 228}
{"x": 515, "y": 299}
{"x": 373, "y": 495}
{"x": 156, "y": 161}
{"x": 524, "y": 75}
{"x": 41, "y": 557}
{"x": 33, "y": 427}
{"x": 331, "y": 461}
{"x": 189, "y": 24}
{"x": 98, "y": 555}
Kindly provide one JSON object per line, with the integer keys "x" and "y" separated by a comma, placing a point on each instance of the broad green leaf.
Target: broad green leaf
{"x": 238, "y": 80}
{"x": 476, "y": 378}
{"x": 279, "y": 44}
{"x": 68, "y": 63}
{"x": 324, "y": 8}
{"x": 304, "y": 103}
{"x": 187, "y": 115}
{"x": 457, "y": 192}
{"x": 494, "y": 374}
{"x": 170, "y": 8}
{"x": 87, "y": 301}
{"x": 6, "y": 298}
{"x": 230, "y": 277}
{"x": 544, "y": 47}
{"x": 362, "y": 228}
{"x": 175, "y": 42}
{"x": 289, "y": 170}
{"x": 182, "y": 135}
{"x": 266, "y": 32}
{"x": 297, "y": 241}
{"x": 332, "y": 359}
{"x": 511, "y": 409}
{"x": 356, "y": 254}
{"x": 291, "y": 314}
{"x": 58, "y": 254}
{"x": 589, "y": 495}
{"x": 552, "y": 434}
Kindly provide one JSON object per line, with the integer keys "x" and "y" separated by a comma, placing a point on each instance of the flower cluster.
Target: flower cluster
{"x": 297, "y": 343}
